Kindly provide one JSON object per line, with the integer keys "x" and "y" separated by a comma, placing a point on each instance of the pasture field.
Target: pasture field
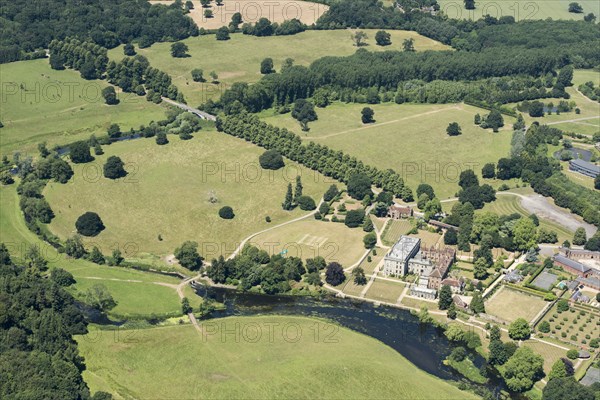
{"x": 384, "y": 290}
{"x": 587, "y": 127}
{"x": 310, "y": 238}
{"x": 273, "y": 365}
{"x": 40, "y": 104}
{"x": 394, "y": 229}
{"x": 134, "y": 291}
{"x": 521, "y": 10}
{"x": 581, "y": 76}
{"x": 251, "y": 10}
{"x": 503, "y": 304}
{"x": 506, "y": 205}
{"x": 134, "y": 296}
{"x": 409, "y": 138}
{"x": 164, "y": 200}
{"x": 238, "y": 59}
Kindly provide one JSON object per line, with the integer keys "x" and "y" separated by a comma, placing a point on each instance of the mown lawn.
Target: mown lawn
{"x": 274, "y": 365}
{"x": 40, "y": 104}
{"x": 383, "y": 290}
{"x": 164, "y": 200}
{"x": 310, "y": 238}
{"x": 509, "y": 305}
{"x": 409, "y": 138}
{"x": 238, "y": 59}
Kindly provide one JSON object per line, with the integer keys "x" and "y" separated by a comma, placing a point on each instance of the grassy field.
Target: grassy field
{"x": 506, "y": 205}
{"x": 383, "y": 290}
{"x": 409, "y": 138}
{"x": 135, "y": 291}
{"x": 521, "y": 10}
{"x": 310, "y": 238}
{"x": 133, "y": 296}
{"x": 167, "y": 193}
{"x": 253, "y": 10}
{"x": 39, "y": 104}
{"x": 238, "y": 59}
{"x": 503, "y": 304}
{"x": 549, "y": 353}
{"x": 337, "y": 363}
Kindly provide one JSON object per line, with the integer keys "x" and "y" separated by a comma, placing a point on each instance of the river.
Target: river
{"x": 424, "y": 345}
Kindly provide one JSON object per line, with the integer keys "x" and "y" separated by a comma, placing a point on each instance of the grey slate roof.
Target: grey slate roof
{"x": 571, "y": 263}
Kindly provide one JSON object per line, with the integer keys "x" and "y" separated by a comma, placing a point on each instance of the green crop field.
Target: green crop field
{"x": 274, "y": 365}
{"x": 164, "y": 200}
{"x": 521, "y": 10}
{"x": 39, "y": 104}
{"x": 409, "y": 138}
{"x": 238, "y": 59}
{"x": 310, "y": 238}
{"x": 135, "y": 292}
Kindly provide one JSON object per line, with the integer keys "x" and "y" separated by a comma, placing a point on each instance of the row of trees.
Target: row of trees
{"x": 329, "y": 162}
{"x": 135, "y": 75}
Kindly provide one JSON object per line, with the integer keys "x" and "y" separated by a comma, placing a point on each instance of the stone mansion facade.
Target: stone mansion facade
{"x": 430, "y": 264}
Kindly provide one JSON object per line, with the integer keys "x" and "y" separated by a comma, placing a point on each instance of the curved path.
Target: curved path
{"x": 181, "y": 285}
{"x": 541, "y": 206}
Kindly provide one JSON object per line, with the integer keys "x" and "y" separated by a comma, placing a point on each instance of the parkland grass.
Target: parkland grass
{"x": 274, "y": 366}
{"x": 310, "y": 238}
{"x": 135, "y": 292}
{"x": 165, "y": 199}
{"x": 238, "y": 59}
{"x": 40, "y": 104}
{"x": 503, "y": 304}
{"x": 521, "y": 10}
{"x": 409, "y": 138}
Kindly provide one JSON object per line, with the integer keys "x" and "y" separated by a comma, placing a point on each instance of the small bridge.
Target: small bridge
{"x": 201, "y": 114}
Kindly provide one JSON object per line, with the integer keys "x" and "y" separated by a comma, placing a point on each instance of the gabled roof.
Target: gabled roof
{"x": 585, "y": 164}
{"x": 571, "y": 263}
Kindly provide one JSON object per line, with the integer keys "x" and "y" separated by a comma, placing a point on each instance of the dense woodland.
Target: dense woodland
{"x": 38, "y": 318}
{"x": 28, "y": 25}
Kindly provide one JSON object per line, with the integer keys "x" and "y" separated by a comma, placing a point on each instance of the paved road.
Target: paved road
{"x": 571, "y": 120}
{"x": 542, "y": 207}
